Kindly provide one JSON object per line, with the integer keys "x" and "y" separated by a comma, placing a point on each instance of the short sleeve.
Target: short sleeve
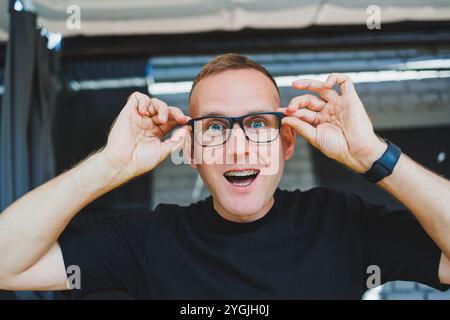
{"x": 394, "y": 241}
{"x": 104, "y": 254}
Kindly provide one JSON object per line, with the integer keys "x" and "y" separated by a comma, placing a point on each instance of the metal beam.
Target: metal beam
{"x": 394, "y": 35}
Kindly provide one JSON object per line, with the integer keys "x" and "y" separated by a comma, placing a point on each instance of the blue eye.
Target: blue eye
{"x": 215, "y": 127}
{"x": 257, "y": 124}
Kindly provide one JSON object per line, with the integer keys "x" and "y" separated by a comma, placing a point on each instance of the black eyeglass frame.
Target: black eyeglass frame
{"x": 240, "y": 122}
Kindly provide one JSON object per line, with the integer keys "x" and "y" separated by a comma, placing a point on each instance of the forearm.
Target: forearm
{"x": 32, "y": 224}
{"x": 426, "y": 194}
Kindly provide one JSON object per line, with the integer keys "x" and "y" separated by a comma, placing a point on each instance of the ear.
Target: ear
{"x": 188, "y": 150}
{"x": 288, "y": 140}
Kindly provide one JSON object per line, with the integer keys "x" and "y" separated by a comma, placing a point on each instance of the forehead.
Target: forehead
{"x": 234, "y": 93}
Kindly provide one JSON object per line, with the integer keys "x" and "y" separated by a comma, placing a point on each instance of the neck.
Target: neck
{"x": 243, "y": 218}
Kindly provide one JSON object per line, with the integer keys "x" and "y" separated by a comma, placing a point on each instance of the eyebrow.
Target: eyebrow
{"x": 220, "y": 114}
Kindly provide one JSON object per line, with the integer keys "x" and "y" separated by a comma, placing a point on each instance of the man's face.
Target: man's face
{"x": 243, "y": 185}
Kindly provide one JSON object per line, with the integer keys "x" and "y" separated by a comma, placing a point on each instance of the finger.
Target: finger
{"x": 163, "y": 110}
{"x": 174, "y": 143}
{"x": 304, "y": 114}
{"x": 138, "y": 101}
{"x": 145, "y": 123}
{"x": 174, "y": 117}
{"x": 315, "y": 86}
{"x": 344, "y": 82}
{"x": 309, "y": 116}
{"x": 180, "y": 134}
{"x": 169, "y": 126}
{"x": 178, "y": 115}
{"x": 331, "y": 80}
{"x": 307, "y": 100}
{"x": 301, "y": 127}
{"x": 159, "y": 108}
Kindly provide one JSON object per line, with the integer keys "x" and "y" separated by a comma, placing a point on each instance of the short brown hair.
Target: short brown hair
{"x": 230, "y": 61}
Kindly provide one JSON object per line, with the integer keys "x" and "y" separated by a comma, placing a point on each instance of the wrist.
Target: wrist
{"x": 385, "y": 165}
{"x": 371, "y": 153}
{"x": 98, "y": 174}
{"x": 111, "y": 165}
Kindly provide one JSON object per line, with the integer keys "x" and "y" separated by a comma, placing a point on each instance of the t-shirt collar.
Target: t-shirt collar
{"x": 217, "y": 223}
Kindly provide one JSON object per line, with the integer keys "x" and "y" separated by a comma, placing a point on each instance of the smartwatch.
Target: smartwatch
{"x": 385, "y": 164}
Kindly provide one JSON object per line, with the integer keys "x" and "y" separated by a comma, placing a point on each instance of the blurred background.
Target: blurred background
{"x": 67, "y": 68}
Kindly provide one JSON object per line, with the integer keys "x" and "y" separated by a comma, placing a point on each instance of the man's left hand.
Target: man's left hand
{"x": 335, "y": 122}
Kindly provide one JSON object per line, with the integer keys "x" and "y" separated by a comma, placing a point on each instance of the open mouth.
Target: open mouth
{"x": 241, "y": 178}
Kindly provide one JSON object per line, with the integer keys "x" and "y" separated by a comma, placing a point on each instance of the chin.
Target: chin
{"x": 242, "y": 206}
{"x": 240, "y": 191}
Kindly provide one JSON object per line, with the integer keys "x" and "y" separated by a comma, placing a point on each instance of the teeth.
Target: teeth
{"x": 242, "y": 173}
{"x": 242, "y": 184}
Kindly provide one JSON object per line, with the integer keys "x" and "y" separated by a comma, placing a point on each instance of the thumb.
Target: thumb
{"x": 174, "y": 143}
{"x": 303, "y": 128}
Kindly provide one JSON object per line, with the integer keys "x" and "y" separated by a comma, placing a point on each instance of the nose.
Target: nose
{"x": 237, "y": 145}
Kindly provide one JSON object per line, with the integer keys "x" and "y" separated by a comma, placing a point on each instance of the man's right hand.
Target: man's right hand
{"x": 135, "y": 144}
{"x": 31, "y": 256}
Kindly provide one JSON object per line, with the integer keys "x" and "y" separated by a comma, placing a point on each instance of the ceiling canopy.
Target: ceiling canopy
{"x": 118, "y": 17}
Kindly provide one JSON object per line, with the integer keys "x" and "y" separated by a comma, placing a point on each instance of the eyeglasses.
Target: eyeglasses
{"x": 259, "y": 127}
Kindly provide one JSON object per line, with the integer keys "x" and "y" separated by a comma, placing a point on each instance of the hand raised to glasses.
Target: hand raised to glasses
{"x": 135, "y": 143}
{"x": 335, "y": 122}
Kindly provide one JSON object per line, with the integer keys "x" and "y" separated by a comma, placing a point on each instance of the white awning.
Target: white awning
{"x": 119, "y": 17}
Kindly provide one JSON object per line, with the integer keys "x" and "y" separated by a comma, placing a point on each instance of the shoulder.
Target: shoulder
{"x": 163, "y": 215}
{"x": 322, "y": 196}
{"x": 137, "y": 225}
{"x": 323, "y": 203}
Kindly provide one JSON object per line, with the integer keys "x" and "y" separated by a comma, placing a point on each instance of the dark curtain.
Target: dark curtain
{"x": 26, "y": 158}
{"x": 26, "y": 150}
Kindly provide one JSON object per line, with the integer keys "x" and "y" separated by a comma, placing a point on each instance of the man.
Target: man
{"x": 249, "y": 239}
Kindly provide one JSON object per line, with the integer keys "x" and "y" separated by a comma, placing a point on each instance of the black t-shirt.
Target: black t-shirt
{"x": 314, "y": 244}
